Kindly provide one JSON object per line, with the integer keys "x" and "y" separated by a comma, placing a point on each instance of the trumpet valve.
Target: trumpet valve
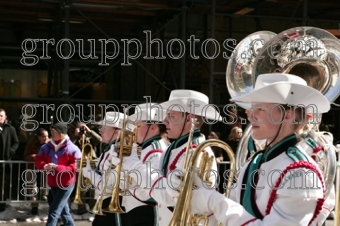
{"x": 204, "y": 167}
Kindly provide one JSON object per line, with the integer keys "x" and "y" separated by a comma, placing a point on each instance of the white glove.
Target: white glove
{"x": 129, "y": 162}
{"x": 200, "y": 201}
{"x": 124, "y": 185}
{"x": 174, "y": 183}
{"x": 126, "y": 182}
{"x": 197, "y": 182}
{"x": 87, "y": 171}
{"x": 110, "y": 182}
{"x": 107, "y": 163}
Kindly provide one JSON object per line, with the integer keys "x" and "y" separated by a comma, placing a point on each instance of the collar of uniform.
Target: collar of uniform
{"x": 149, "y": 141}
{"x": 109, "y": 145}
{"x": 182, "y": 140}
{"x": 280, "y": 147}
{"x": 175, "y": 144}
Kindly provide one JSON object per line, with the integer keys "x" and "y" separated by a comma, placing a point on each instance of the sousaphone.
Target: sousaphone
{"x": 309, "y": 52}
{"x": 240, "y": 81}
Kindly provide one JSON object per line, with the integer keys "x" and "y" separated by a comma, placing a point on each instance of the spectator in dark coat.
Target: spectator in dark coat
{"x": 9, "y": 143}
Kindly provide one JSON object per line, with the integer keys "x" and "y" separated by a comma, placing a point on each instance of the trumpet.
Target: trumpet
{"x": 82, "y": 180}
{"x": 181, "y": 216}
{"x": 124, "y": 150}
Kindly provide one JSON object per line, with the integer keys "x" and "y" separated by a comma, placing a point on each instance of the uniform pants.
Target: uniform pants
{"x": 141, "y": 216}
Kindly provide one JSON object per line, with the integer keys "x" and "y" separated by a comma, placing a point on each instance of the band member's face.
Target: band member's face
{"x": 143, "y": 130}
{"x": 174, "y": 124}
{"x": 265, "y": 119}
{"x": 43, "y": 138}
{"x": 108, "y": 134}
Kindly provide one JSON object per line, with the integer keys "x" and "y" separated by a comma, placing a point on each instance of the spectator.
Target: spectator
{"x": 31, "y": 150}
{"x": 214, "y": 135}
{"x": 59, "y": 156}
{"x": 8, "y": 145}
{"x": 234, "y": 137}
{"x": 234, "y": 119}
{"x": 218, "y": 152}
{"x": 90, "y": 137}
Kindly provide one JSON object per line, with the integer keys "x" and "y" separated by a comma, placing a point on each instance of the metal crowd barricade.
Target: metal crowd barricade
{"x": 223, "y": 168}
{"x": 11, "y": 182}
{"x": 14, "y": 177}
{"x": 15, "y": 181}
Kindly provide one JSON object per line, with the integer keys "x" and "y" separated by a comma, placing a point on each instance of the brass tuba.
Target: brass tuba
{"x": 181, "y": 215}
{"x": 240, "y": 67}
{"x": 294, "y": 51}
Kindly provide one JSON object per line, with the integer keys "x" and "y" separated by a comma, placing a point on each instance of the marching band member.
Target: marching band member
{"x": 183, "y": 105}
{"x": 282, "y": 184}
{"x": 110, "y": 130}
{"x": 150, "y": 139}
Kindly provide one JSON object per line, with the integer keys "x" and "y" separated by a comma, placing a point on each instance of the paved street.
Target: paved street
{"x": 88, "y": 223}
{"x": 78, "y": 223}
{"x": 19, "y": 214}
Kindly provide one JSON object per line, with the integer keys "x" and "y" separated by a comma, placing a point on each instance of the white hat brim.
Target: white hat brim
{"x": 148, "y": 115}
{"x": 287, "y": 93}
{"x": 201, "y": 108}
{"x": 118, "y": 124}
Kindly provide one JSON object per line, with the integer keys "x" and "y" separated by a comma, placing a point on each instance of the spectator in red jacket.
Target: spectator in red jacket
{"x": 58, "y": 157}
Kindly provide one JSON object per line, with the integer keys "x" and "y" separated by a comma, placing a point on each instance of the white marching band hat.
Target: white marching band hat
{"x": 285, "y": 89}
{"x": 193, "y": 102}
{"x": 115, "y": 119}
{"x": 148, "y": 112}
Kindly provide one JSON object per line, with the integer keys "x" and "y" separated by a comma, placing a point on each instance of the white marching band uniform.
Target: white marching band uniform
{"x": 281, "y": 194}
{"x": 152, "y": 149}
{"x": 99, "y": 175}
{"x": 154, "y": 186}
{"x": 288, "y": 205}
{"x": 158, "y": 180}
{"x": 150, "y": 155}
{"x": 281, "y": 186}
